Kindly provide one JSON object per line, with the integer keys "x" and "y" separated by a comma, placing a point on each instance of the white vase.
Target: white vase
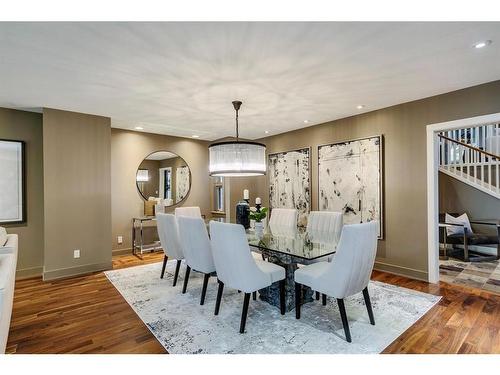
{"x": 259, "y": 228}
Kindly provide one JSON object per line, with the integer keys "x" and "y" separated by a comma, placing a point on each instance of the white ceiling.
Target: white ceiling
{"x": 180, "y": 78}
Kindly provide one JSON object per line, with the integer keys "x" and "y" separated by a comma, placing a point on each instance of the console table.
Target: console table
{"x": 138, "y": 245}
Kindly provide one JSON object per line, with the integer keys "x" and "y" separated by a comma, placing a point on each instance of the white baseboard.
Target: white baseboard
{"x": 411, "y": 273}
{"x": 76, "y": 271}
{"x": 27, "y": 273}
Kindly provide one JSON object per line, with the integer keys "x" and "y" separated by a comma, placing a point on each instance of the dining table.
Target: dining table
{"x": 290, "y": 248}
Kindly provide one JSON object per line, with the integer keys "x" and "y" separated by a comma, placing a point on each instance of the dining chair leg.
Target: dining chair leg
{"x": 177, "y": 268}
{"x": 165, "y": 259}
{"x": 317, "y": 296}
{"x": 254, "y": 296}
{"x": 186, "y": 278}
{"x": 219, "y": 297}
{"x": 345, "y": 323}
{"x": 204, "y": 289}
{"x": 298, "y": 296}
{"x": 368, "y": 306}
{"x": 323, "y": 297}
{"x": 244, "y": 313}
{"x": 282, "y": 297}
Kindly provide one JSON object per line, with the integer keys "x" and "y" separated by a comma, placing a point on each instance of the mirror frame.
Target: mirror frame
{"x": 190, "y": 177}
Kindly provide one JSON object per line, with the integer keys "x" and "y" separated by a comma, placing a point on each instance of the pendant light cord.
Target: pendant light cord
{"x": 237, "y": 105}
{"x": 237, "y": 130}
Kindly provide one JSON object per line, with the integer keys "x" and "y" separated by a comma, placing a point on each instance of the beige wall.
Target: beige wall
{"x": 77, "y": 192}
{"x": 458, "y": 197}
{"x": 404, "y": 249}
{"x": 27, "y": 126}
{"x": 238, "y": 184}
{"x": 128, "y": 149}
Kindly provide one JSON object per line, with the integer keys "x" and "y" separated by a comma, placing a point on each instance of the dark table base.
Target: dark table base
{"x": 271, "y": 294}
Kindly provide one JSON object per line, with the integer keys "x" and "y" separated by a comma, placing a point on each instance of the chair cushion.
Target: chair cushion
{"x": 3, "y": 236}
{"x": 472, "y": 239}
{"x": 276, "y": 272}
{"x": 307, "y": 274}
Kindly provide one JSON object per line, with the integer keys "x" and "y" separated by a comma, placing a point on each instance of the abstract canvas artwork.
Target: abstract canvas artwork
{"x": 350, "y": 180}
{"x": 12, "y": 207}
{"x": 289, "y": 181}
{"x": 182, "y": 183}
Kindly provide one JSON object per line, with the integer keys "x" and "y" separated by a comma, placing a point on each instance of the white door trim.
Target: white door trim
{"x": 433, "y": 186}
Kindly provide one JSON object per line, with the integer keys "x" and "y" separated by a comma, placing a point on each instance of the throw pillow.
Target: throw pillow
{"x": 462, "y": 220}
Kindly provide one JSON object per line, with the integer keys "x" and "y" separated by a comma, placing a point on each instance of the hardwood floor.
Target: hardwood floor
{"x": 83, "y": 314}
{"x": 87, "y": 315}
{"x": 465, "y": 320}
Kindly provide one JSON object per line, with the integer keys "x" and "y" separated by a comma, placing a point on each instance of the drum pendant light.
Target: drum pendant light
{"x": 237, "y": 158}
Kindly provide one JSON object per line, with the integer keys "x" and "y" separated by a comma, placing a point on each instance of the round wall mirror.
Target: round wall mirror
{"x": 164, "y": 175}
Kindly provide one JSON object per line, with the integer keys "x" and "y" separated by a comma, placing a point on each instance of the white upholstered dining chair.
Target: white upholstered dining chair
{"x": 347, "y": 274}
{"x": 196, "y": 246}
{"x": 324, "y": 226}
{"x": 282, "y": 218}
{"x": 170, "y": 243}
{"x": 188, "y": 211}
{"x": 283, "y": 222}
{"x": 237, "y": 269}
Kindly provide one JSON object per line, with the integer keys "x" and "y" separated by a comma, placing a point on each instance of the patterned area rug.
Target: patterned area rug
{"x": 182, "y": 326}
{"x": 481, "y": 275}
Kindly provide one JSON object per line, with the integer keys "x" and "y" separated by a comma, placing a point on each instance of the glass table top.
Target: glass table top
{"x": 295, "y": 242}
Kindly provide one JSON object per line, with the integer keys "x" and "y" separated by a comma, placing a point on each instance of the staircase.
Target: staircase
{"x": 472, "y": 155}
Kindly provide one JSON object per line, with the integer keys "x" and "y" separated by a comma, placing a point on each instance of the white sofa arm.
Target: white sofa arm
{"x": 8, "y": 262}
{"x": 6, "y": 250}
{"x": 10, "y": 246}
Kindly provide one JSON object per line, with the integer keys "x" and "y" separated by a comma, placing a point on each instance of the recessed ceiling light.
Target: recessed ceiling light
{"x": 306, "y": 121}
{"x": 482, "y": 44}
{"x": 195, "y": 136}
{"x": 360, "y": 106}
{"x": 267, "y": 132}
{"x": 139, "y": 128}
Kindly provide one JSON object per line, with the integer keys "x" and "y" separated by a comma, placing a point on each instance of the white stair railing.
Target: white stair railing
{"x": 485, "y": 137}
{"x": 469, "y": 163}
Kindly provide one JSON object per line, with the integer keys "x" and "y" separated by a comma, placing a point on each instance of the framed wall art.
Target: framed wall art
{"x": 290, "y": 181}
{"x": 350, "y": 178}
{"x": 12, "y": 182}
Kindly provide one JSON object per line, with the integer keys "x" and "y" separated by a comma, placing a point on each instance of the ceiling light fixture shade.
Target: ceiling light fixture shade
{"x": 482, "y": 44}
{"x": 237, "y": 158}
{"x": 142, "y": 175}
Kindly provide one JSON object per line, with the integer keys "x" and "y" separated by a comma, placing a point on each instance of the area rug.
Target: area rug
{"x": 182, "y": 326}
{"x": 481, "y": 275}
